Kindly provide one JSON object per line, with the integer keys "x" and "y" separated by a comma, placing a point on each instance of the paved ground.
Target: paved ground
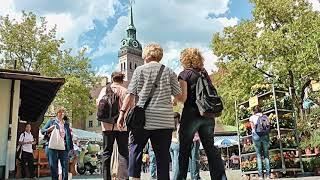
{"x": 232, "y": 175}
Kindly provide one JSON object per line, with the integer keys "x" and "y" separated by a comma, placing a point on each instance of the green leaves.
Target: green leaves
{"x": 35, "y": 48}
{"x": 281, "y": 42}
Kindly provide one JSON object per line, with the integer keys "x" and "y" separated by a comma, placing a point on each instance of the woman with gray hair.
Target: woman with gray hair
{"x": 159, "y": 116}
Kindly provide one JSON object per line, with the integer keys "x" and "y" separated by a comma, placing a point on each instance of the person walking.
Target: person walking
{"x": 194, "y": 163}
{"x": 111, "y": 133}
{"x": 159, "y": 121}
{"x": 260, "y": 126}
{"x": 191, "y": 120}
{"x": 26, "y": 141}
{"x": 174, "y": 148}
{"x": 54, "y": 155}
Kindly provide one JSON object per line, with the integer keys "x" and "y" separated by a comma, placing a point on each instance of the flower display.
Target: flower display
{"x": 258, "y": 89}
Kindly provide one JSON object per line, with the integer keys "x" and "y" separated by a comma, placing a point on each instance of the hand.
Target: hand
{"x": 120, "y": 122}
{"x": 51, "y": 128}
{"x": 174, "y": 102}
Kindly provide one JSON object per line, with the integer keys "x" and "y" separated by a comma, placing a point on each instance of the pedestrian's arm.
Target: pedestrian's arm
{"x": 182, "y": 97}
{"x": 47, "y": 128}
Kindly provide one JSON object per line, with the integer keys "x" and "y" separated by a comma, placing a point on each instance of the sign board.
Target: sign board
{"x": 315, "y": 86}
{"x": 253, "y": 101}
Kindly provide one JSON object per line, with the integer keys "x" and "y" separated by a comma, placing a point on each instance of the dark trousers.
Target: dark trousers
{"x": 205, "y": 127}
{"x": 54, "y": 156}
{"x": 27, "y": 158}
{"x": 122, "y": 141}
{"x": 160, "y": 141}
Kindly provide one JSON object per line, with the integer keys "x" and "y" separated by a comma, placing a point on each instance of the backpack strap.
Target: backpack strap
{"x": 155, "y": 85}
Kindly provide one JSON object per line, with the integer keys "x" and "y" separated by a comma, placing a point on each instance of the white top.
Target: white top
{"x": 254, "y": 119}
{"x": 26, "y": 137}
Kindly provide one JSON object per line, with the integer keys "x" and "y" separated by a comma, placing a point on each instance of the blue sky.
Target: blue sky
{"x": 99, "y": 25}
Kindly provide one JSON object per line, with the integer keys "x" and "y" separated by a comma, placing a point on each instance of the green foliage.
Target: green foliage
{"x": 280, "y": 45}
{"x": 35, "y": 48}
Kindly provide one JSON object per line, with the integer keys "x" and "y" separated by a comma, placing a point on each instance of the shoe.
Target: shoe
{"x": 260, "y": 178}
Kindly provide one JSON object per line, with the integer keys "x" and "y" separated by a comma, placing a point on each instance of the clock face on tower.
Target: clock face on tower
{"x": 124, "y": 42}
{"x": 135, "y": 44}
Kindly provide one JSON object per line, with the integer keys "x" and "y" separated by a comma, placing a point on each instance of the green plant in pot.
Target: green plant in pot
{"x": 315, "y": 162}
{"x": 306, "y": 145}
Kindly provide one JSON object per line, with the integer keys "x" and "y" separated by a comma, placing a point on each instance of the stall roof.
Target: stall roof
{"x": 36, "y": 92}
{"x": 80, "y": 134}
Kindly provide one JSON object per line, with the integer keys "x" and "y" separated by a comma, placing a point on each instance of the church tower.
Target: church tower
{"x": 130, "y": 54}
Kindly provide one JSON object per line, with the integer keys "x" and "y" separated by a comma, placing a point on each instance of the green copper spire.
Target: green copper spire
{"x": 131, "y": 39}
{"x": 131, "y": 30}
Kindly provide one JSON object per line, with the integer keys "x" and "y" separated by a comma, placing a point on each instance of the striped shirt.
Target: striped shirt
{"x": 159, "y": 113}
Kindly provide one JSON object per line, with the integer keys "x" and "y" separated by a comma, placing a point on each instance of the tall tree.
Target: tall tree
{"x": 29, "y": 45}
{"x": 282, "y": 42}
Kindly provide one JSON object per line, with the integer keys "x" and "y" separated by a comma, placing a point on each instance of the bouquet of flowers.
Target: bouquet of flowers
{"x": 245, "y": 129}
{"x": 249, "y": 165}
{"x": 275, "y": 161}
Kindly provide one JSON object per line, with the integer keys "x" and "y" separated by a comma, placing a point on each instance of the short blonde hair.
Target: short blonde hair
{"x": 191, "y": 58}
{"x": 153, "y": 51}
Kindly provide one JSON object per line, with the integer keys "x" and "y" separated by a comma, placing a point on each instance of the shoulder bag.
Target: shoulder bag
{"x": 136, "y": 117}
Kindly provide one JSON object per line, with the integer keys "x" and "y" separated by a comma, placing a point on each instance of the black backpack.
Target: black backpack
{"x": 207, "y": 99}
{"x": 108, "y": 108}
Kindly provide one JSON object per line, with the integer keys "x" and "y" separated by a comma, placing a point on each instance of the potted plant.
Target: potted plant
{"x": 305, "y": 144}
{"x": 316, "y": 165}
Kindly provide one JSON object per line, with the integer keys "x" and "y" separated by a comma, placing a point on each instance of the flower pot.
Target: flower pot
{"x": 317, "y": 151}
{"x": 317, "y": 171}
{"x": 308, "y": 151}
{"x": 275, "y": 175}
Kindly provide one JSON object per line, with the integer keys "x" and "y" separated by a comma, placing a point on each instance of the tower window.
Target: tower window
{"x": 130, "y": 65}
{"x": 121, "y": 66}
{"x": 124, "y": 66}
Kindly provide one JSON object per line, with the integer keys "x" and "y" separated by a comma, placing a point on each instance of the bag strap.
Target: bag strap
{"x": 155, "y": 85}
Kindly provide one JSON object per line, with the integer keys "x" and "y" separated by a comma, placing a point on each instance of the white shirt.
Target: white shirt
{"x": 254, "y": 119}
{"x": 26, "y": 137}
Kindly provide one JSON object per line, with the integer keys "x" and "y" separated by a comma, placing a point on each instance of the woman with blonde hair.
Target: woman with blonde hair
{"x": 159, "y": 122}
{"x": 55, "y": 155}
{"x": 191, "y": 120}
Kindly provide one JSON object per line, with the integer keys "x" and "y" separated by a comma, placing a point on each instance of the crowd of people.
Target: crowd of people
{"x": 164, "y": 131}
{"x": 166, "y": 135}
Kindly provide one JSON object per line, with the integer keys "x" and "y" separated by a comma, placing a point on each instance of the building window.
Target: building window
{"x": 99, "y": 124}
{"x": 124, "y": 66}
{"x": 130, "y": 65}
{"x": 90, "y": 124}
{"x": 121, "y": 66}
{"x": 135, "y": 66}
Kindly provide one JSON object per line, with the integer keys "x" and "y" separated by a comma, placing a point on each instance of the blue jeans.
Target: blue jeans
{"x": 261, "y": 143}
{"x": 53, "y": 156}
{"x": 153, "y": 164}
{"x": 174, "y": 153}
{"x": 194, "y": 161}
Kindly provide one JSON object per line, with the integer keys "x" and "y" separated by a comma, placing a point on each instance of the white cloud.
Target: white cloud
{"x": 73, "y": 17}
{"x": 175, "y": 24}
{"x": 106, "y": 70}
{"x": 228, "y": 22}
{"x": 315, "y": 4}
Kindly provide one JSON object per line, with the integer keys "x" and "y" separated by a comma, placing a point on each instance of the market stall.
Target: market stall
{"x": 285, "y": 156}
